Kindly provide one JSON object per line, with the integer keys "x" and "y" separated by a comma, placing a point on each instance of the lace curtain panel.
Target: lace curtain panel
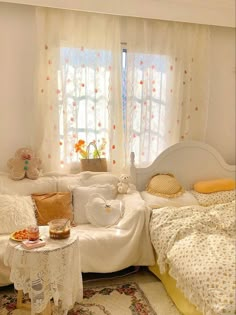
{"x": 167, "y": 85}
{"x": 164, "y": 80}
{"x": 78, "y": 86}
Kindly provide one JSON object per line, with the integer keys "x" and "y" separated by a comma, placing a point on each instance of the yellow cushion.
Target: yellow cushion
{"x": 52, "y": 206}
{"x": 164, "y": 185}
{"x": 210, "y": 186}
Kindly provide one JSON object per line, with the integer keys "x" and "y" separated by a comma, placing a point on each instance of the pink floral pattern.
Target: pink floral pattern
{"x": 146, "y": 95}
{"x": 82, "y": 85}
{"x": 139, "y": 304}
{"x": 152, "y": 121}
{"x": 82, "y": 105}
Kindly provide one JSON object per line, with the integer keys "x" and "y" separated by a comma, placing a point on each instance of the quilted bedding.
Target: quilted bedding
{"x": 198, "y": 245}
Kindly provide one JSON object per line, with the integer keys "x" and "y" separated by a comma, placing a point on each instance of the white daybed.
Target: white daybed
{"x": 103, "y": 250}
{"x": 194, "y": 245}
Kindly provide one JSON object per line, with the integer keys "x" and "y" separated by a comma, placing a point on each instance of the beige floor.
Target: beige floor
{"x": 150, "y": 285}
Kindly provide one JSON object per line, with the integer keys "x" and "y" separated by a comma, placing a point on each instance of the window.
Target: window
{"x": 158, "y": 98}
{"x": 84, "y": 79}
{"x": 144, "y": 104}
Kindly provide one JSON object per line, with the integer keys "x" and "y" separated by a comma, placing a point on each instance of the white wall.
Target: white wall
{"x": 212, "y": 12}
{"x": 17, "y": 51}
{"x": 17, "y": 61}
{"x": 221, "y": 116}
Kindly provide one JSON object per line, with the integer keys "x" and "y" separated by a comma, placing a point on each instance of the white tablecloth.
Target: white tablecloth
{"x": 52, "y": 271}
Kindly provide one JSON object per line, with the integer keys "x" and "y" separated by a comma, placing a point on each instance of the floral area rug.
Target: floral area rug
{"x": 115, "y": 299}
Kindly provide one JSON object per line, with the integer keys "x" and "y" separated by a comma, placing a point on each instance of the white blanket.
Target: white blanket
{"x": 109, "y": 249}
{"x": 198, "y": 244}
{"x": 125, "y": 244}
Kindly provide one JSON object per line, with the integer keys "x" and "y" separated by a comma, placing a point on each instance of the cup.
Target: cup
{"x": 59, "y": 228}
{"x": 33, "y": 232}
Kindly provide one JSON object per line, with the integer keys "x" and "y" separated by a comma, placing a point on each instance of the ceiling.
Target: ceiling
{"x": 210, "y": 12}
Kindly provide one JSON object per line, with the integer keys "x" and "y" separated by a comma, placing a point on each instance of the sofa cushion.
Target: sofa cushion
{"x": 52, "y": 206}
{"x": 27, "y": 186}
{"x": 67, "y": 183}
{"x": 16, "y": 212}
{"x": 81, "y": 196}
{"x": 98, "y": 178}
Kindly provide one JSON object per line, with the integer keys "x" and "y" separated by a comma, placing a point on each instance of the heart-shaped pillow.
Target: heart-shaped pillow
{"x": 102, "y": 212}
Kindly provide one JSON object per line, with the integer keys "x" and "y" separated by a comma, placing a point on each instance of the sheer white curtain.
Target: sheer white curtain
{"x": 164, "y": 79}
{"x": 167, "y": 85}
{"x": 78, "y": 87}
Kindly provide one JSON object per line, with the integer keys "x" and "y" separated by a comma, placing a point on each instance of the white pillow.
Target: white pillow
{"x": 155, "y": 202}
{"x": 16, "y": 212}
{"x": 82, "y": 194}
{"x": 67, "y": 183}
{"x": 98, "y": 178}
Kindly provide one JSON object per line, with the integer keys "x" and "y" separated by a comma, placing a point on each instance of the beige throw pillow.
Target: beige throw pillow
{"x": 52, "y": 206}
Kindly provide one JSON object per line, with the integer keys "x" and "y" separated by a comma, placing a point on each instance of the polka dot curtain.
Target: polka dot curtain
{"x": 79, "y": 80}
{"x": 167, "y": 85}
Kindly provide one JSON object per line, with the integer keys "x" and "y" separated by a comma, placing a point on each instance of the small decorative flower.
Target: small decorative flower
{"x": 80, "y": 148}
{"x": 99, "y": 148}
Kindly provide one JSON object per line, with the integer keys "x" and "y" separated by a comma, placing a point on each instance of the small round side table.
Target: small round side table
{"x": 49, "y": 272}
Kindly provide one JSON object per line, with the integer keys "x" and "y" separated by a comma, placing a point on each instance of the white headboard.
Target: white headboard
{"x": 189, "y": 161}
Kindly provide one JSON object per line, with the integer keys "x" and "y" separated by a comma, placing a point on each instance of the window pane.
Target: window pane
{"x": 144, "y": 103}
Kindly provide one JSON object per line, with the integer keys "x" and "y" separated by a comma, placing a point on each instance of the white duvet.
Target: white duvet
{"x": 198, "y": 244}
{"x": 110, "y": 249}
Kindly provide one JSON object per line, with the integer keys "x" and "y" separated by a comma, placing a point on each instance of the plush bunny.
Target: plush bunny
{"x": 124, "y": 186}
{"x": 24, "y": 164}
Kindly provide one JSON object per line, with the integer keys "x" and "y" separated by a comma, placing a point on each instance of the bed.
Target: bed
{"x": 194, "y": 244}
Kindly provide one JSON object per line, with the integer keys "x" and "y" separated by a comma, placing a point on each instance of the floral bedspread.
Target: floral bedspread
{"x": 198, "y": 245}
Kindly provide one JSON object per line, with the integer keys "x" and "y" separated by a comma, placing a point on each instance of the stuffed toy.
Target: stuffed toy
{"x": 124, "y": 186}
{"x": 24, "y": 164}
